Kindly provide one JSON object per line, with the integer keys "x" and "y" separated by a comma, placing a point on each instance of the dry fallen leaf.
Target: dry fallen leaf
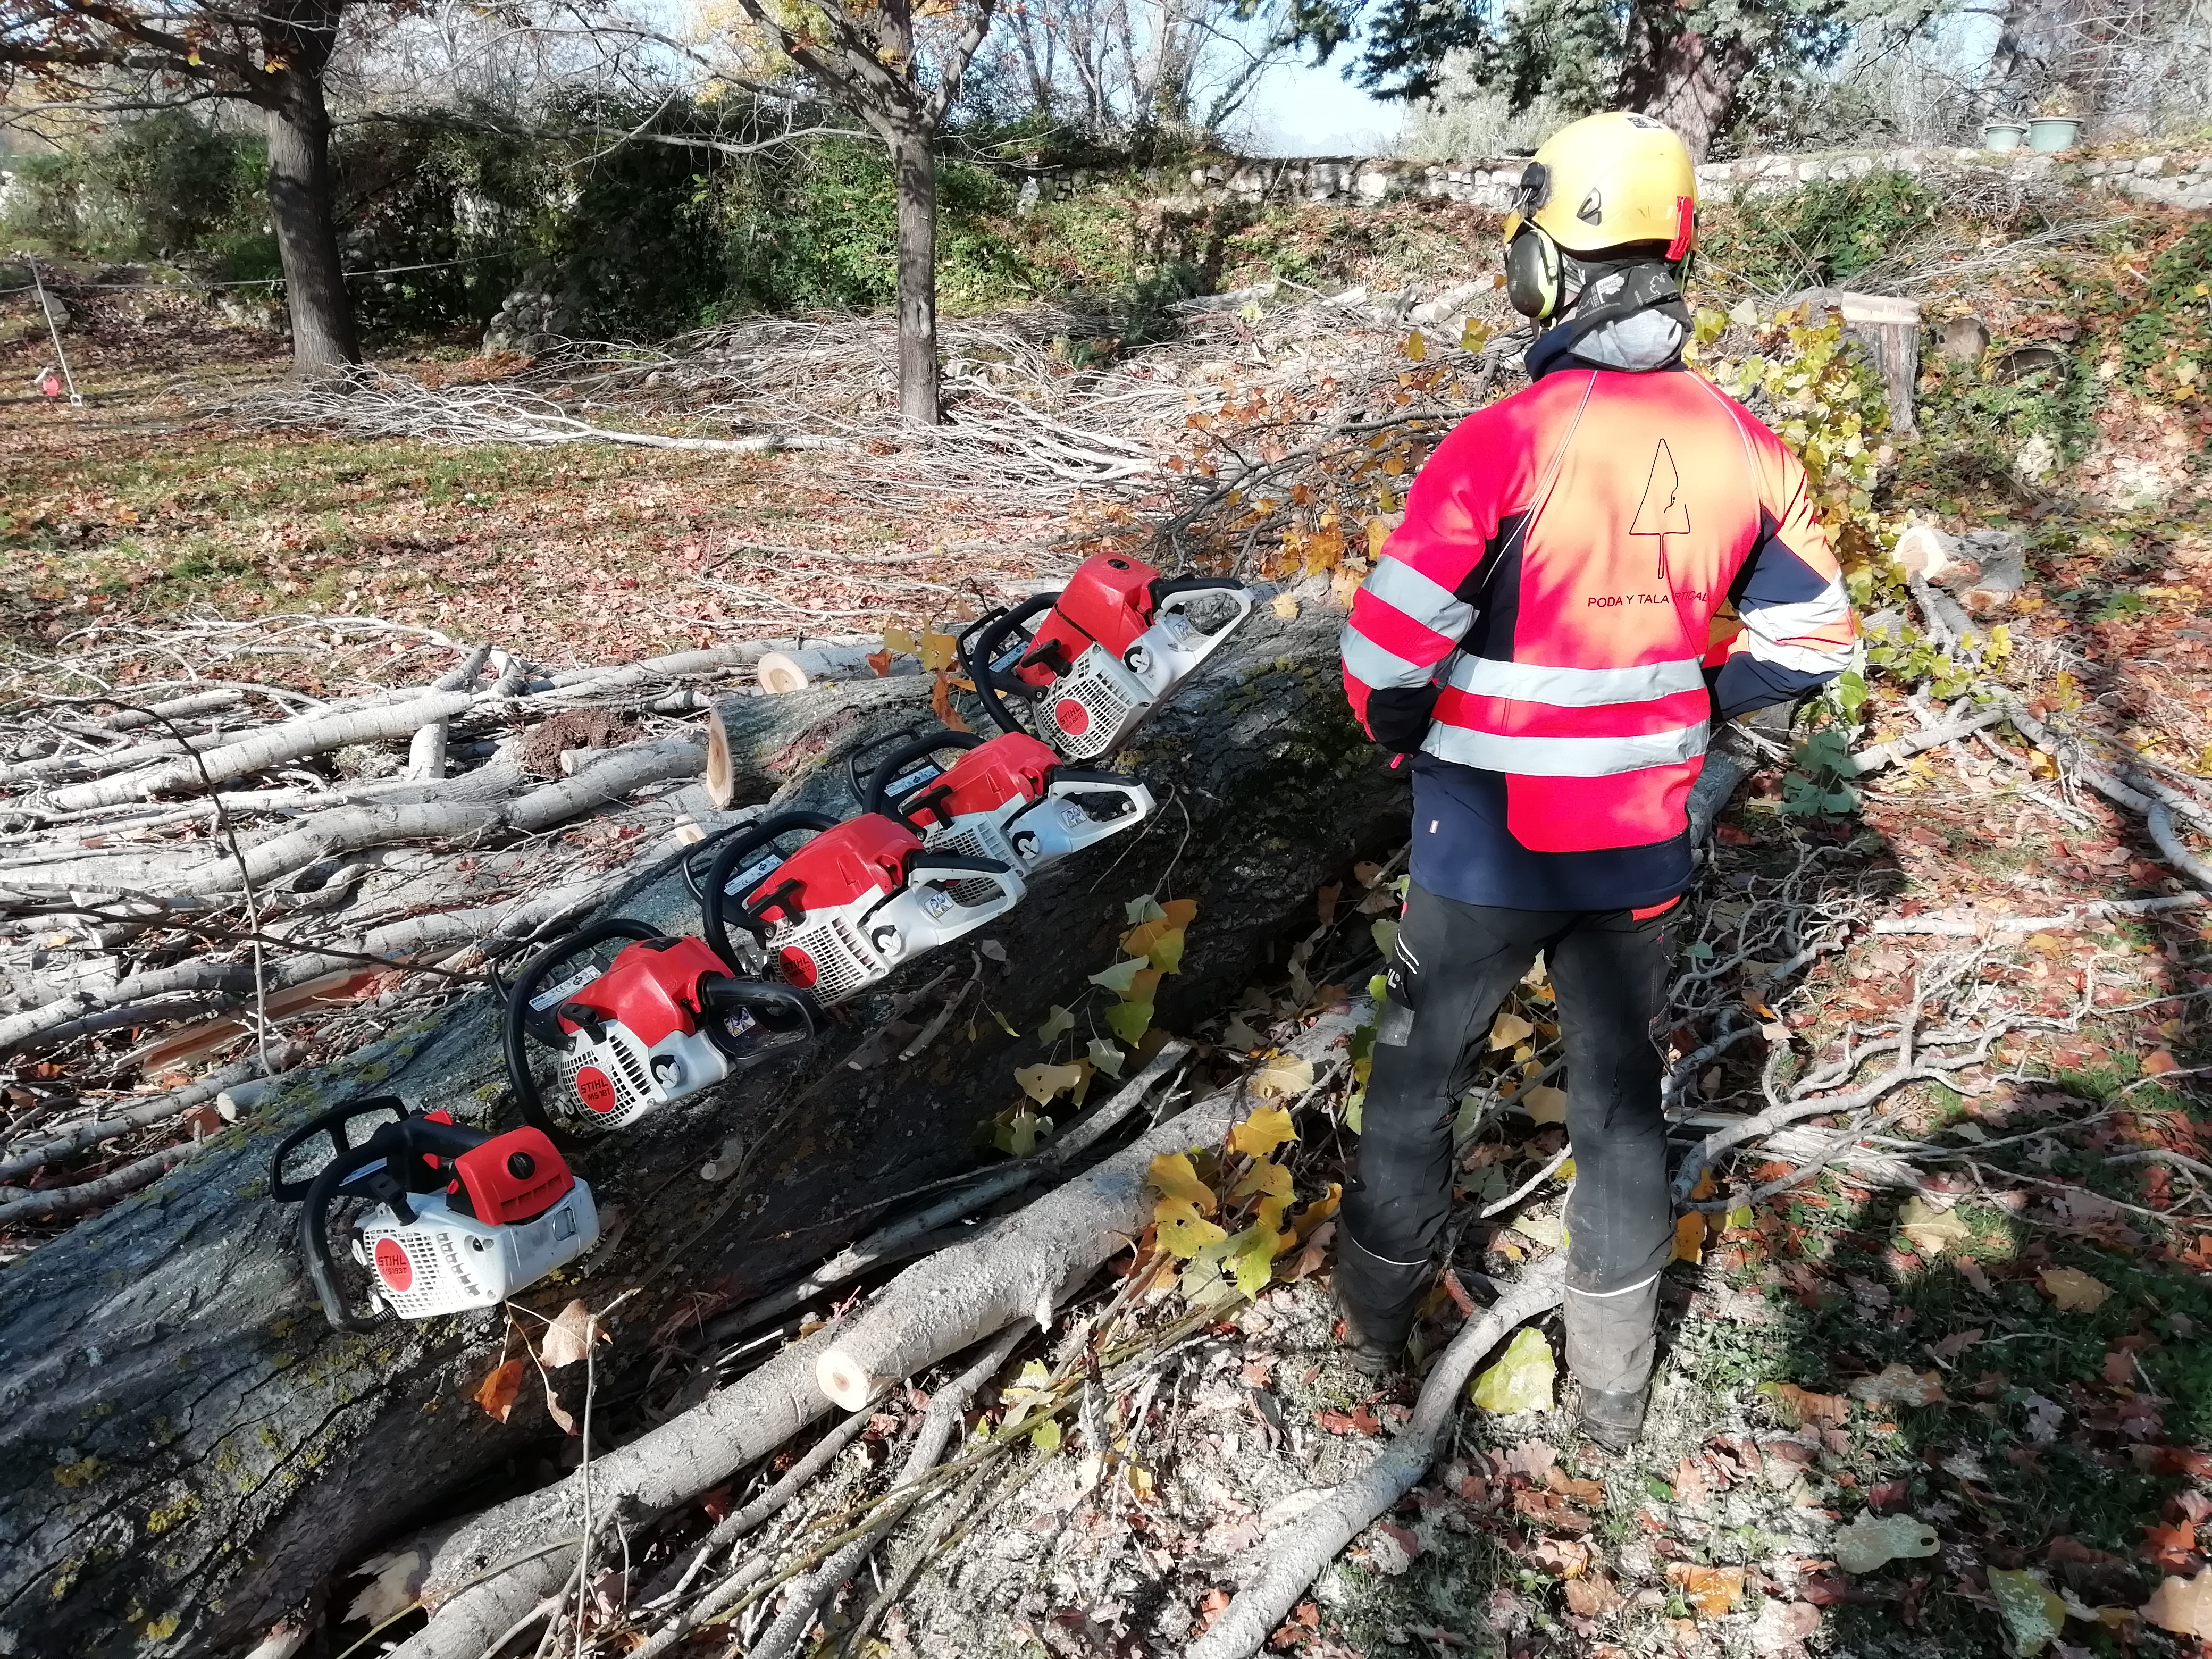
{"x": 1508, "y": 1028}
{"x": 2183, "y": 1606}
{"x": 1799, "y": 1405}
{"x": 1057, "y": 1022}
{"x": 1041, "y": 1083}
{"x": 1285, "y": 607}
{"x": 1690, "y": 1237}
{"x": 1783, "y": 1626}
{"x": 394, "y": 1579}
{"x": 1285, "y": 1074}
{"x": 2072, "y": 1290}
{"x": 1897, "y": 1385}
{"x": 557, "y": 1411}
{"x": 568, "y": 1339}
{"x": 1545, "y": 1104}
{"x": 1931, "y": 1231}
{"x": 1592, "y": 1597}
{"x": 1713, "y": 1591}
{"x": 2032, "y": 1612}
{"x": 496, "y": 1393}
{"x": 1872, "y": 1541}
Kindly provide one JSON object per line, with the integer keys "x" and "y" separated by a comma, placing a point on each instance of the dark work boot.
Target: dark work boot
{"x": 1609, "y": 1350}
{"x": 1377, "y": 1296}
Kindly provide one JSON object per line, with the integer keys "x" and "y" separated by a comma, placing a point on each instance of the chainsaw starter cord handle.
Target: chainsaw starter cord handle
{"x": 893, "y": 767}
{"x": 715, "y": 899}
{"x": 989, "y": 633}
{"x": 516, "y": 1026}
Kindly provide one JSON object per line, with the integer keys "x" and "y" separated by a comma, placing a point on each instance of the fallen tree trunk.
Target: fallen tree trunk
{"x": 191, "y": 1455}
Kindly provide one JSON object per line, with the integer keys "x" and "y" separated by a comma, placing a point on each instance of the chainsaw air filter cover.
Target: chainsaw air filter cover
{"x": 1115, "y": 644}
{"x": 448, "y": 1261}
{"x": 637, "y": 1035}
{"x": 857, "y": 900}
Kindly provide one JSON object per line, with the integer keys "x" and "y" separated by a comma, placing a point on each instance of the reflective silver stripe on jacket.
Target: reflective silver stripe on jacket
{"x": 1564, "y": 757}
{"x": 1407, "y": 591}
{"x": 1374, "y": 665}
{"x": 1576, "y": 688}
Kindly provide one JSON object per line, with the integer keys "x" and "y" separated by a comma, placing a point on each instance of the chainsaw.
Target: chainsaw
{"x": 468, "y": 1216}
{"x": 1006, "y": 797}
{"x": 664, "y": 1020}
{"x": 852, "y": 904}
{"x": 1113, "y": 645}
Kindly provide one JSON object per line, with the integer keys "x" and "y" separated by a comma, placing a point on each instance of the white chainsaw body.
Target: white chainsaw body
{"x": 1115, "y": 696}
{"x": 1030, "y": 835}
{"x": 618, "y": 1079}
{"x": 445, "y": 1262}
{"x": 850, "y": 946}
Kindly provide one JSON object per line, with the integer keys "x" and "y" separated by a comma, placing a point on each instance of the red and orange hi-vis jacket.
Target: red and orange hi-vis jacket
{"x": 1546, "y": 610}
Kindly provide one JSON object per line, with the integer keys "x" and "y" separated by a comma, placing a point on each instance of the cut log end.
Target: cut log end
{"x": 847, "y": 1379}
{"x": 778, "y": 674}
{"x": 721, "y": 773}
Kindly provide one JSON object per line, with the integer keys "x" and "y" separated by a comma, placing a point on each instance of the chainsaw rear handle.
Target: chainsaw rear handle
{"x": 333, "y": 1123}
{"x": 989, "y": 633}
{"x": 782, "y": 1008}
{"x": 714, "y": 901}
{"x": 521, "y": 1018}
{"x": 383, "y": 1169}
{"x": 893, "y": 766}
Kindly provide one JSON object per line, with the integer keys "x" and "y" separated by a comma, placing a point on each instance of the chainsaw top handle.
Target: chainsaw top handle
{"x": 716, "y": 900}
{"x": 383, "y": 1169}
{"x": 333, "y": 1123}
{"x": 893, "y": 767}
{"x": 989, "y": 634}
{"x": 521, "y": 1019}
{"x": 781, "y": 1008}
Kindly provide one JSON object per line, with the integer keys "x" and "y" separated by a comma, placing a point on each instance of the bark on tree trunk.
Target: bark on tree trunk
{"x": 189, "y": 1455}
{"x": 302, "y": 209}
{"x": 1685, "y": 79}
{"x": 913, "y": 169}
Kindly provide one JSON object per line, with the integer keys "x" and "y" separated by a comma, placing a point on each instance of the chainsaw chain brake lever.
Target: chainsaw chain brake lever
{"x": 385, "y": 1169}
{"x": 523, "y": 1021}
{"x": 739, "y": 865}
{"x": 979, "y": 647}
{"x": 895, "y": 769}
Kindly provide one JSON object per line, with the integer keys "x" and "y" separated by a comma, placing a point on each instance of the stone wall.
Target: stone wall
{"x": 2174, "y": 180}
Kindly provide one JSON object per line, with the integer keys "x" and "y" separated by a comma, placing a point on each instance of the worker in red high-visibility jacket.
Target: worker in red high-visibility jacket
{"x": 1539, "y": 637}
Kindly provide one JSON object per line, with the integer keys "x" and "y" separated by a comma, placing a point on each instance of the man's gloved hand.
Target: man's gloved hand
{"x": 1398, "y": 718}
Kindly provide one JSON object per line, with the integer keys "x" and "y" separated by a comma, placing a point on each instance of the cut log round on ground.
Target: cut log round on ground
{"x": 216, "y": 1510}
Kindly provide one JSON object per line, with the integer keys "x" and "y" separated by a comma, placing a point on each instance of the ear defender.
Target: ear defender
{"x": 1532, "y": 273}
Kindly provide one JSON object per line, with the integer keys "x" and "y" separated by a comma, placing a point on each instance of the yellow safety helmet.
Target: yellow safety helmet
{"x": 1603, "y": 182}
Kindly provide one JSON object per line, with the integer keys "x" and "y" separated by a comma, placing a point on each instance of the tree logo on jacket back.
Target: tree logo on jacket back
{"x": 1663, "y": 511}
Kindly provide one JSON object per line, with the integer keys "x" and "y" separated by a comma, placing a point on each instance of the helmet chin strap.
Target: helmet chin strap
{"x": 1605, "y": 294}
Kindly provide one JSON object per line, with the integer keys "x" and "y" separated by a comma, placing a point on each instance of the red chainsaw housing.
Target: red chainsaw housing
{"x": 862, "y": 855}
{"x": 1010, "y": 767}
{"x": 652, "y": 988}
{"x": 1108, "y": 601}
{"x": 512, "y": 1177}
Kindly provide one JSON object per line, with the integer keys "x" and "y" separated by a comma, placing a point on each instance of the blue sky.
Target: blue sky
{"x": 1303, "y": 111}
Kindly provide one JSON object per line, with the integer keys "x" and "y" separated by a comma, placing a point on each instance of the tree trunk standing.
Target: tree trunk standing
{"x": 302, "y": 201}
{"x": 913, "y": 171}
{"x": 1685, "y": 79}
{"x": 188, "y": 1453}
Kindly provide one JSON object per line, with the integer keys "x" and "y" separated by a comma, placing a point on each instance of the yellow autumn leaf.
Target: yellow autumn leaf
{"x": 1182, "y": 1230}
{"x": 1057, "y": 1024}
{"x": 1690, "y": 1237}
{"x": 899, "y": 640}
{"x": 1285, "y": 607}
{"x": 1520, "y": 1381}
{"x": 1171, "y": 1175}
{"x": 1508, "y": 1029}
{"x": 1120, "y": 978}
{"x": 2072, "y": 1290}
{"x": 1474, "y": 335}
{"x": 1259, "y": 1134}
{"x": 1378, "y": 533}
{"x": 1284, "y": 1075}
{"x": 1105, "y": 1057}
{"x": 1545, "y": 1104}
{"x": 937, "y": 650}
{"x": 1179, "y": 912}
{"x": 1166, "y": 951}
{"x": 1041, "y": 1083}
{"x": 1713, "y": 1591}
{"x": 1314, "y": 1214}
{"x": 1129, "y": 1021}
{"x": 1266, "y": 1177}
{"x": 1139, "y": 940}
{"x": 1251, "y": 1257}
{"x": 1415, "y": 347}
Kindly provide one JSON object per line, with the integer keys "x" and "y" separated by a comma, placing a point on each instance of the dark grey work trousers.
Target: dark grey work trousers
{"x": 1453, "y": 966}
